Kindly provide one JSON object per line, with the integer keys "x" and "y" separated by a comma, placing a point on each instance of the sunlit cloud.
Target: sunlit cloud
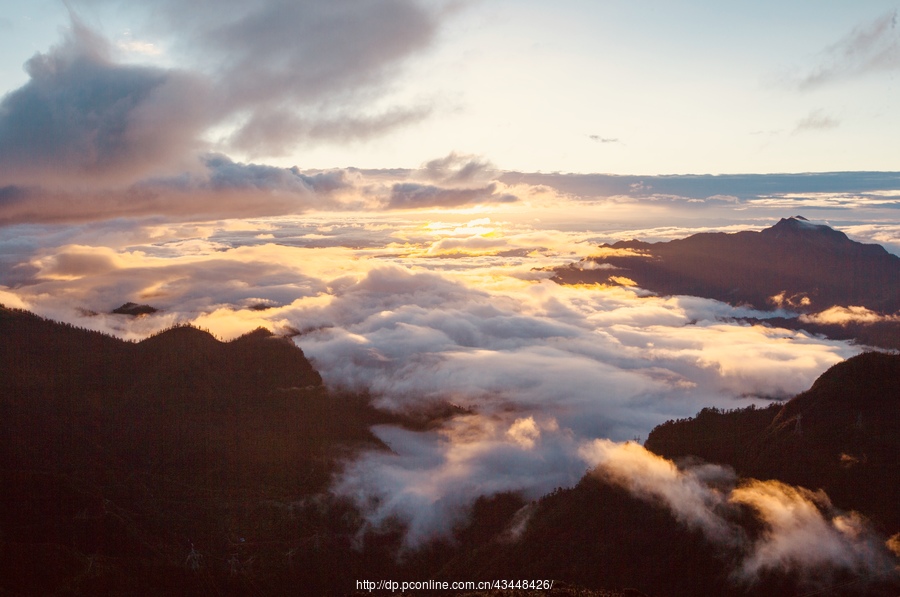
{"x": 802, "y": 532}
{"x": 136, "y": 46}
{"x": 847, "y": 315}
{"x": 799, "y": 534}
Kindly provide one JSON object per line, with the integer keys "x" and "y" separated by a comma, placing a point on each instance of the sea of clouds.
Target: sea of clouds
{"x": 421, "y": 309}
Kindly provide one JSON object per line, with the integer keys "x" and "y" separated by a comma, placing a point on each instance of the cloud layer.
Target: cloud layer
{"x": 422, "y": 311}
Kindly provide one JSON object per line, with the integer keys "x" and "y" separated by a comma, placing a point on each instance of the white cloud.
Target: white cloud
{"x": 846, "y": 315}
{"x": 801, "y": 531}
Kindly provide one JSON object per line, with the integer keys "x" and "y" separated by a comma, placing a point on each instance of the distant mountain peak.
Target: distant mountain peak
{"x": 800, "y": 223}
{"x": 793, "y": 257}
{"x": 134, "y": 309}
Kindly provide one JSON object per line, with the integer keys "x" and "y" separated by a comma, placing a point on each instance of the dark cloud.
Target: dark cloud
{"x": 223, "y": 174}
{"x": 83, "y": 119}
{"x": 456, "y": 168}
{"x": 410, "y": 195}
{"x": 869, "y": 48}
{"x": 12, "y": 194}
{"x": 219, "y": 188}
{"x": 293, "y": 72}
{"x": 271, "y": 74}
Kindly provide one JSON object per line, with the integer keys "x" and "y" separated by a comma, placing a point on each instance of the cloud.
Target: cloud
{"x": 801, "y": 531}
{"x": 409, "y": 195}
{"x": 604, "y": 140}
{"x": 846, "y": 315}
{"x": 687, "y": 493}
{"x": 457, "y": 169}
{"x": 276, "y": 133}
{"x": 885, "y": 234}
{"x": 8, "y": 299}
{"x": 743, "y": 187}
{"x": 816, "y": 121}
{"x": 288, "y": 73}
{"x": 429, "y": 480}
{"x": 218, "y": 187}
{"x": 538, "y": 368}
{"x": 596, "y": 363}
{"x": 259, "y": 77}
{"x": 873, "y": 47}
{"x": 82, "y": 119}
{"x": 136, "y": 46}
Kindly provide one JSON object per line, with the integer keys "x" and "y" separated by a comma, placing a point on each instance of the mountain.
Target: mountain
{"x": 182, "y": 465}
{"x": 603, "y": 534}
{"x": 134, "y": 309}
{"x": 842, "y": 435}
{"x": 806, "y": 268}
{"x": 119, "y": 459}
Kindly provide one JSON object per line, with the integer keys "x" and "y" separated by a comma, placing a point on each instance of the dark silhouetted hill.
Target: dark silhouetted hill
{"x": 804, "y": 267}
{"x": 134, "y": 309}
{"x": 599, "y": 535}
{"x": 182, "y": 465}
{"x": 842, "y": 435}
{"x": 117, "y": 457}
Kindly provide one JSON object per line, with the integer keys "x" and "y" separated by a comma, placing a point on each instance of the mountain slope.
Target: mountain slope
{"x": 804, "y": 267}
{"x": 621, "y": 529}
{"x": 842, "y": 435}
{"x": 117, "y": 459}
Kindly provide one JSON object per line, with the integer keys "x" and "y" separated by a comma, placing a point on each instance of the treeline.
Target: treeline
{"x": 714, "y": 434}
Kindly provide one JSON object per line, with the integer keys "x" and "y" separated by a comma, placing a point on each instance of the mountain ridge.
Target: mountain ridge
{"x": 841, "y": 435}
{"x": 182, "y": 446}
{"x": 117, "y": 458}
{"x": 795, "y": 265}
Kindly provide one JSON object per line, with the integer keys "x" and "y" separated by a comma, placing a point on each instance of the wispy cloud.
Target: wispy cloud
{"x": 600, "y": 139}
{"x": 816, "y": 120}
{"x": 801, "y": 531}
{"x": 872, "y": 47}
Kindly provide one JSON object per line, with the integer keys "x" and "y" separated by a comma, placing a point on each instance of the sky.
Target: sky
{"x": 392, "y": 182}
{"x": 651, "y": 87}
